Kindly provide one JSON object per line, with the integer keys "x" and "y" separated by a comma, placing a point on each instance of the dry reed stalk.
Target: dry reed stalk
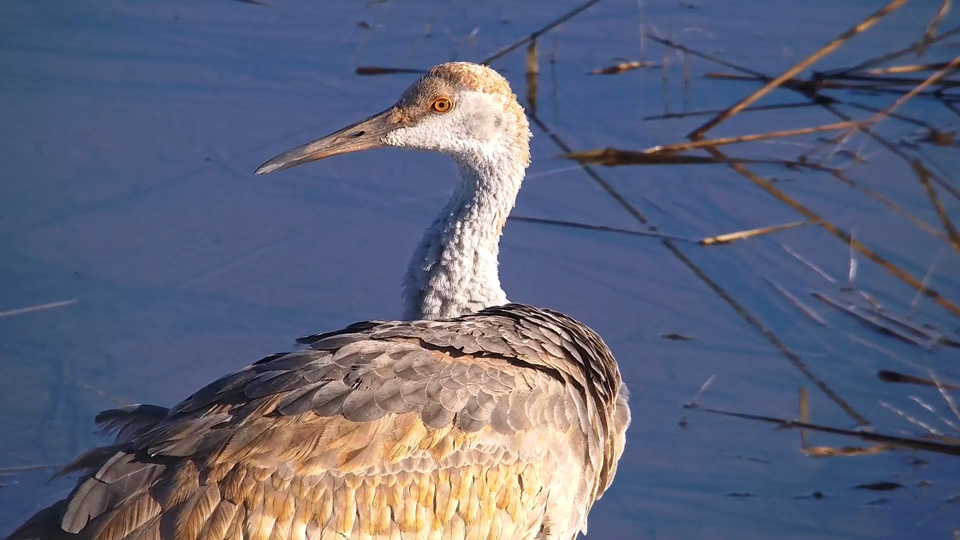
{"x": 742, "y": 235}
{"x": 912, "y": 68}
{"x": 800, "y": 66}
{"x": 895, "y": 116}
{"x": 895, "y": 81}
{"x": 938, "y": 138}
{"x": 852, "y": 275}
{"x": 614, "y": 157}
{"x": 532, "y": 72}
{"x": 807, "y": 310}
{"x": 932, "y": 27}
{"x": 950, "y": 106}
{"x": 611, "y": 157}
{"x": 599, "y": 228}
{"x": 40, "y": 307}
{"x": 921, "y": 330}
{"x": 932, "y": 79}
{"x": 893, "y": 55}
{"x": 377, "y": 70}
{"x": 926, "y": 281}
{"x": 828, "y": 451}
{"x": 621, "y": 67}
{"x": 705, "y": 56}
{"x": 923, "y": 175}
{"x": 926, "y": 427}
{"x": 884, "y": 351}
{"x": 827, "y": 142}
{"x": 870, "y": 320}
{"x": 923, "y": 225}
{"x": 695, "y": 402}
{"x": 892, "y": 440}
{"x": 746, "y": 138}
{"x": 664, "y": 65}
{"x": 890, "y": 376}
{"x": 811, "y": 86}
{"x": 804, "y": 415}
{"x": 943, "y": 392}
{"x": 620, "y": 199}
{"x": 810, "y": 264}
{"x": 550, "y": 26}
{"x": 933, "y": 410}
{"x": 827, "y": 276}
{"x": 845, "y": 451}
{"x": 757, "y": 108}
{"x": 708, "y": 241}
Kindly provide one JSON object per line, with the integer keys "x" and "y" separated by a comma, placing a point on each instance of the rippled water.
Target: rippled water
{"x": 130, "y": 131}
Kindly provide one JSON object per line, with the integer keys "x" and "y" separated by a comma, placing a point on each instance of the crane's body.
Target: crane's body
{"x": 473, "y": 418}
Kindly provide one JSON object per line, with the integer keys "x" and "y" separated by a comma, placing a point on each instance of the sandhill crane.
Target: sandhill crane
{"x": 473, "y": 418}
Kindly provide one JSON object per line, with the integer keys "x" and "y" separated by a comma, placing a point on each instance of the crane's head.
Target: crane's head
{"x": 464, "y": 110}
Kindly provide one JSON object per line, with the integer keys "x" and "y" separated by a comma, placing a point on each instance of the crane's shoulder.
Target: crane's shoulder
{"x": 519, "y": 333}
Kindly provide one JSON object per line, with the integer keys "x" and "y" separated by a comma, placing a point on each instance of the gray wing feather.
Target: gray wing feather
{"x": 130, "y": 422}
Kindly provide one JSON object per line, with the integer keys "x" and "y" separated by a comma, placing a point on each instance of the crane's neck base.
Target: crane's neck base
{"x": 454, "y": 269}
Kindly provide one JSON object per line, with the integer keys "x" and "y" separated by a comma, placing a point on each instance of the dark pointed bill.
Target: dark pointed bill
{"x": 363, "y": 135}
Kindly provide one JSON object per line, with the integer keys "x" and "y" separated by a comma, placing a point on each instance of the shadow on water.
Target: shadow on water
{"x": 143, "y": 259}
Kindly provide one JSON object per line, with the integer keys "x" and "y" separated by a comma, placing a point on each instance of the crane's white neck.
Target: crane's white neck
{"x": 454, "y": 269}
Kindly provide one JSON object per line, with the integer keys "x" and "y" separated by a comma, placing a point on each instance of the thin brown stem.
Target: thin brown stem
{"x": 912, "y": 68}
{"x": 599, "y": 228}
{"x": 890, "y": 81}
{"x": 904, "y": 442}
{"x": 550, "y": 26}
{"x": 923, "y": 175}
{"x": 799, "y": 105}
{"x": 812, "y": 86}
{"x": 703, "y": 143}
{"x": 932, "y": 27}
{"x": 893, "y": 55}
{"x": 889, "y": 376}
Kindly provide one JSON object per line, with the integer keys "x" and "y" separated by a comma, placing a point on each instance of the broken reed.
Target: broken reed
{"x": 909, "y": 443}
{"x": 719, "y": 239}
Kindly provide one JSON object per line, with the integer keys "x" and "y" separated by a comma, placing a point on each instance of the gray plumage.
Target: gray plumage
{"x": 525, "y": 403}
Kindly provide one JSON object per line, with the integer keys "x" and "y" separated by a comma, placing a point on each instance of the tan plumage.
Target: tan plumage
{"x": 493, "y": 425}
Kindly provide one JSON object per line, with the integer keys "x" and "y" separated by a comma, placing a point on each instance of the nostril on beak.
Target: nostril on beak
{"x": 356, "y": 134}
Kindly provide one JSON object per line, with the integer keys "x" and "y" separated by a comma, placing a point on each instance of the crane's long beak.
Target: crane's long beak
{"x": 363, "y": 135}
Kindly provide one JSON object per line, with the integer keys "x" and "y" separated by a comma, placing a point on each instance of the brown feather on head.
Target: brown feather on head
{"x": 444, "y": 80}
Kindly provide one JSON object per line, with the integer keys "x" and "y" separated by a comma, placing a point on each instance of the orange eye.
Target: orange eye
{"x": 442, "y": 105}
